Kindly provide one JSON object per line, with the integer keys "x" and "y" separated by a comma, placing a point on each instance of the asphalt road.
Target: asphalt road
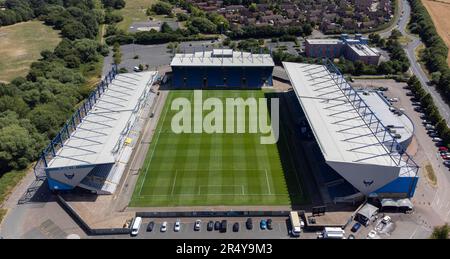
{"x": 416, "y": 69}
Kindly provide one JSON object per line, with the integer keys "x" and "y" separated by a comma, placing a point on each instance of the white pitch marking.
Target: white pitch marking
{"x": 174, "y": 181}
{"x": 267, "y": 181}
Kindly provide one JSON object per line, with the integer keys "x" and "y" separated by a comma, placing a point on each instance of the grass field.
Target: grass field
{"x": 214, "y": 169}
{"x": 134, "y": 11}
{"x": 21, "y": 44}
{"x": 439, "y": 11}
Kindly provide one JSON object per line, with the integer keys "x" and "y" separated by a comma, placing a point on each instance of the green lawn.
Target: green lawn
{"x": 213, "y": 169}
{"x": 21, "y": 44}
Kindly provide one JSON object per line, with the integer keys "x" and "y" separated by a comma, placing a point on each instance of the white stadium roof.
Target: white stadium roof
{"x": 339, "y": 129}
{"x": 222, "y": 57}
{"x": 96, "y": 136}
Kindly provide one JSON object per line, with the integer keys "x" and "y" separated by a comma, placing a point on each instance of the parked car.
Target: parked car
{"x": 249, "y": 224}
{"x": 164, "y": 226}
{"x": 263, "y": 224}
{"x": 236, "y": 227}
{"x": 443, "y": 149}
{"x": 437, "y": 139}
{"x": 356, "y": 227}
{"x": 430, "y": 127}
{"x": 269, "y": 224}
{"x": 434, "y": 134}
{"x": 418, "y": 109}
{"x": 150, "y": 226}
{"x": 223, "y": 226}
{"x": 447, "y": 163}
{"x": 177, "y": 226}
{"x": 395, "y": 99}
{"x": 210, "y": 226}
{"x": 197, "y": 225}
{"x": 217, "y": 225}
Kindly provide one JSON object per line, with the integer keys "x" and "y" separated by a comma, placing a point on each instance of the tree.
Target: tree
{"x": 441, "y": 232}
{"x": 162, "y": 8}
{"x": 74, "y": 30}
{"x": 202, "y": 25}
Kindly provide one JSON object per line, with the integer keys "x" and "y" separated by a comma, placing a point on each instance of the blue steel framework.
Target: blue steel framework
{"x": 396, "y": 151}
{"x": 71, "y": 125}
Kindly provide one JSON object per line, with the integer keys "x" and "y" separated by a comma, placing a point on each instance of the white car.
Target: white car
{"x": 372, "y": 235}
{"x": 177, "y": 226}
{"x": 197, "y": 225}
{"x": 437, "y": 139}
{"x": 164, "y": 226}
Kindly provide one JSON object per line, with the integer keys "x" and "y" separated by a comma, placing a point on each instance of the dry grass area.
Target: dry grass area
{"x": 430, "y": 175}
{"x": 440, "y": 11}
{"x": 21, "y": 44}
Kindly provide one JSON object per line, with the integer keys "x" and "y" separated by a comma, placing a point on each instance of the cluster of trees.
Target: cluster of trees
{"x": 116, "y": 4}
{"x": 33, "y": 108}
{"x": 258, "y": 32}
{"x": 17, "y": 11}
{"x": 162, "y": 8}
{"x": 435, "y": 54}
{"x": 430, "y": 108}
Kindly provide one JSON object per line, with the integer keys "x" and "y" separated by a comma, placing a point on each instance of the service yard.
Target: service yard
{"x": 190, "y": 169}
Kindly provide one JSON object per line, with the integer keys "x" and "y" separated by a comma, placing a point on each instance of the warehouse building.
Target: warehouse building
{"x": 222, "y": 68}
{"x": 352, "y": 137}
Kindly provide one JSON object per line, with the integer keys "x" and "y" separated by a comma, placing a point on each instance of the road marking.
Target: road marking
{"x": 267, "y": 181}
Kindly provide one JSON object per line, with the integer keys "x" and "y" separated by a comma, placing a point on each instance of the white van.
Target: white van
{"x": 136, "y": 226}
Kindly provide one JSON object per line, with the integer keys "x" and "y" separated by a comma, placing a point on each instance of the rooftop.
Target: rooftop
{"x": 222, "y": 57}
{"x": 324, "y": 41}
{"x": 364, "y": 50}
{"x": 401, "y": 123}
{"x": 342, "y": 134}
{"x": 96, "y": 137}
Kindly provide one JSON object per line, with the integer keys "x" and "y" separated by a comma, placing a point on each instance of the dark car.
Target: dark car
{"x": 150, "y": 226}
{"x": 269, "y": 224}
{"x": 236, "y": 227}
{"x": 210, "y": 226}
{"x": 249, "y": 224}
{"x": 217, "y": 225}
{"x": 356, "y": 227}
{"x": 223, "y": 226}
{"x": 263, "y": 224}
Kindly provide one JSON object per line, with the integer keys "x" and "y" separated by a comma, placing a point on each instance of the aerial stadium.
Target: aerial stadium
{"x": 353, "y": 132}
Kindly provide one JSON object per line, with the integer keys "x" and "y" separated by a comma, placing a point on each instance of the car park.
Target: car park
{"x": 150, "y": 226}
{"x": 197, "y": 225}
{"x": 269, "y": 224}
{"x": 236, "y": 227}
{"x": 217, "y": 225}
{"x": 263, "y": 224}
{"x": 177, "y": 226}
{"x": 164, "y": 226}
{"x": 249, "y": 224}
{"x": 210, "y": 226}
{"x": 356, "y": 227}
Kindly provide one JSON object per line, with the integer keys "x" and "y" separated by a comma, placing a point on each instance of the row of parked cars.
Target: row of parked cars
{"x": 220, "y": 226}
{"x": 432, "y": 132}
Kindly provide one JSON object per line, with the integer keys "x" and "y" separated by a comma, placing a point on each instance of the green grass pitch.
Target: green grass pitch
{"x": 214, "y": 169}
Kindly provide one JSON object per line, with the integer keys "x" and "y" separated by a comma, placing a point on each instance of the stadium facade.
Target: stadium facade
{"x": 222, "y": 68}
{"x": 94, "y": 146}
{"x": 352, "y": 138}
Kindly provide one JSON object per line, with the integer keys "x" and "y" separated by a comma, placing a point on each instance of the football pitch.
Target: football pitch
{"x": 200, "y": 169}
